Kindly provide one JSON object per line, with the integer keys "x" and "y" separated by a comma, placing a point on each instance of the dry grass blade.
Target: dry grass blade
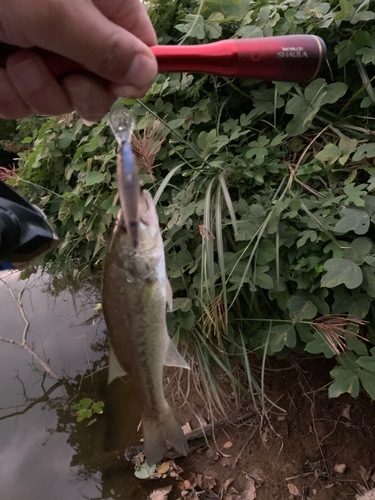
{"x": 6, "y": 173}
{"x": 174, "y": 132}
{"x": 312, "y": 190}
{"x": 355, "y": 95}
{"x": 333, "y": 328}
{"x": 220, "y": 253}
{"x": 165, "y": 182}
{"x": 250, "y": 377}
{"x": 365, "y": 79}
{"x": 146, "y": 146}
{"x": 307, "y": 148}
{"x": 208, "y": 244}
{"x": 317, "y": 221}
{"x": 258, "y": 235}
{"x": 214, "y": 320}
{"x": 229, "y": 203}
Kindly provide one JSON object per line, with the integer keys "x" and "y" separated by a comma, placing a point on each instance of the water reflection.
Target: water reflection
{"x": 44, "y": 452}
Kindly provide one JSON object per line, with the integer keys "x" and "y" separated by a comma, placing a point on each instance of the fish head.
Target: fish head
{"x": 149, "y": 241}
{"x": 148, "y": 227}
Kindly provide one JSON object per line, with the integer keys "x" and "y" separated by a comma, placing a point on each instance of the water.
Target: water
{"x": 44, "y": 452}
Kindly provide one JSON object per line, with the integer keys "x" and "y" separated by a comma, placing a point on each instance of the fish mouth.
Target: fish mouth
{"x": 146, "y": 218}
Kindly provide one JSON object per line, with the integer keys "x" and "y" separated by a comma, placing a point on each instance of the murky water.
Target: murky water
{"x": 44, "y": 452}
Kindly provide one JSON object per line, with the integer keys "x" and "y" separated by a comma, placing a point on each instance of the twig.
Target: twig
{"x": 307, "y": 148}
{"x": 337, "y": 452}
{"x": 199, "y": 433}
{"x": 299, "y": 475}
{"x": 312, "y": 411}
{"x": 237, "y": 458}
{"x": 24, "y": 343}
{"x": 242, "y": 449}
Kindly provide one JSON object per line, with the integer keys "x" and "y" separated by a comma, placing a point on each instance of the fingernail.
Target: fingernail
{"x": 89, "y": 123}
{"x": 141, "y": 73}
{"x": 25, "y": 68}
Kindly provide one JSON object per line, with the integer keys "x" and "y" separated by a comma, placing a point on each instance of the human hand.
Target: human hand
{"x": 110, "y": 38}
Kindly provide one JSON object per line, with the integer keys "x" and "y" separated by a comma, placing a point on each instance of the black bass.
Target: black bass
{"x": 135, "y": 293}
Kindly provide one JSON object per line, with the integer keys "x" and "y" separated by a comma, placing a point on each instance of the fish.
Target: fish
{"x": 136, "y": 291}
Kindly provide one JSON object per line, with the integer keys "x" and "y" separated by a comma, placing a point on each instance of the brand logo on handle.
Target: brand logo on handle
{"x": 292, "y": 53}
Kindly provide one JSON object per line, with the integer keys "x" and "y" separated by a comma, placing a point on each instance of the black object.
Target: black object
{"x": 25, "y": 232}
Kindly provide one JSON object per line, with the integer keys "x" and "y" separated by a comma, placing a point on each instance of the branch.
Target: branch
{"x": 115, "y": 460}
{"x": 42, "y": 399}
{"x": 24, "y": 343}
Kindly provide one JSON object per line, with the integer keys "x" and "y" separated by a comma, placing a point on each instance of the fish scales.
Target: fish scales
{"x": 141, "y": 356}
{"x": 134, "y": 304}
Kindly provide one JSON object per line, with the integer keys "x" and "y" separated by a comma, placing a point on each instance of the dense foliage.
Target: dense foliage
{"x": 265, "y": 190}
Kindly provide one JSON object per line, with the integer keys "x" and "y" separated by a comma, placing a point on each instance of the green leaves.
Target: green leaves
{"x": 86, "y": 408}
{"x": 65, "y": 138}
{"x": 94, "y": 178}
{"x": 144, "y": 471}
{"x": 182, "y": 303}
{"x": 266, "y": 252}
{"x": 317, "y": 94}
{"x": 236, "y": 10}
{"x": 345, "y": 8}
{"x": 342, "y": 271}
{"x": 367, "y": 362}
{"x": 368, "y": 53}
{"x": 348, "y": 50}
{"x": 194, "y": 25}
{"x": 332, "y": 153}
{"x": 248, "y": 136}
{"x": 283, "y": 335}
{"x": 258, "y": 150}
{"x": 368, "y": 381}
{"x": 301, "y": 307}
{"x": 319, "y": 345}
{"x": 358, "y": 251}
{"x": 345, "y": 381}
{"x": 351, "y": 371}
{"x": 353, "y": 219}
{"x": 365, "y": 150}
{"x": 369, "y": 280}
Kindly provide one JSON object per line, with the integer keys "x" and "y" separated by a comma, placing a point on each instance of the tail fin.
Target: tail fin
{"x": 157, "y": 431}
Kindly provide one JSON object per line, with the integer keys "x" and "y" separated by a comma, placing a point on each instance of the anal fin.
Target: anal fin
{"x": 115, "y": 370}
{"x": 174, "y": 358}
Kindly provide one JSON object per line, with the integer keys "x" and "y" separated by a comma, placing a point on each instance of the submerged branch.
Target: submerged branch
{"x": 42, "y": 399}
{"x": 119, "y": 459}
{"x": 24, "y": 343}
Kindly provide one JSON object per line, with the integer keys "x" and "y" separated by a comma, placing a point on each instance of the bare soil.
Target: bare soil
{"x": 311, "y": 448}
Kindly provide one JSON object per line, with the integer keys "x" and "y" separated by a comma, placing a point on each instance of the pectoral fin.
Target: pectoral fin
{"x": 169, "y": 295}
{"x": 174, "y": 358}
{"x": 115, "y": 370}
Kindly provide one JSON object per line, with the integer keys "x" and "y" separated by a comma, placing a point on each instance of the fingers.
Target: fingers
{"x": 35, "y": 85}
{"x": 27, "y": 87}
{"x": 130, "y": 15}
{"x": 80, "y": 31}
{"x": 89, "y": 98}
{"x": 109, "y": 38}
{"x": 12, "y": 107}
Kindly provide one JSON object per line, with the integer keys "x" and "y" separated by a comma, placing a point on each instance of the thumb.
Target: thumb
{"x": 80, "y": 31}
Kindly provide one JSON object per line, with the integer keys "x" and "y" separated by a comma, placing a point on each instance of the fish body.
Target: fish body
{"x": 135, "y": 294}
